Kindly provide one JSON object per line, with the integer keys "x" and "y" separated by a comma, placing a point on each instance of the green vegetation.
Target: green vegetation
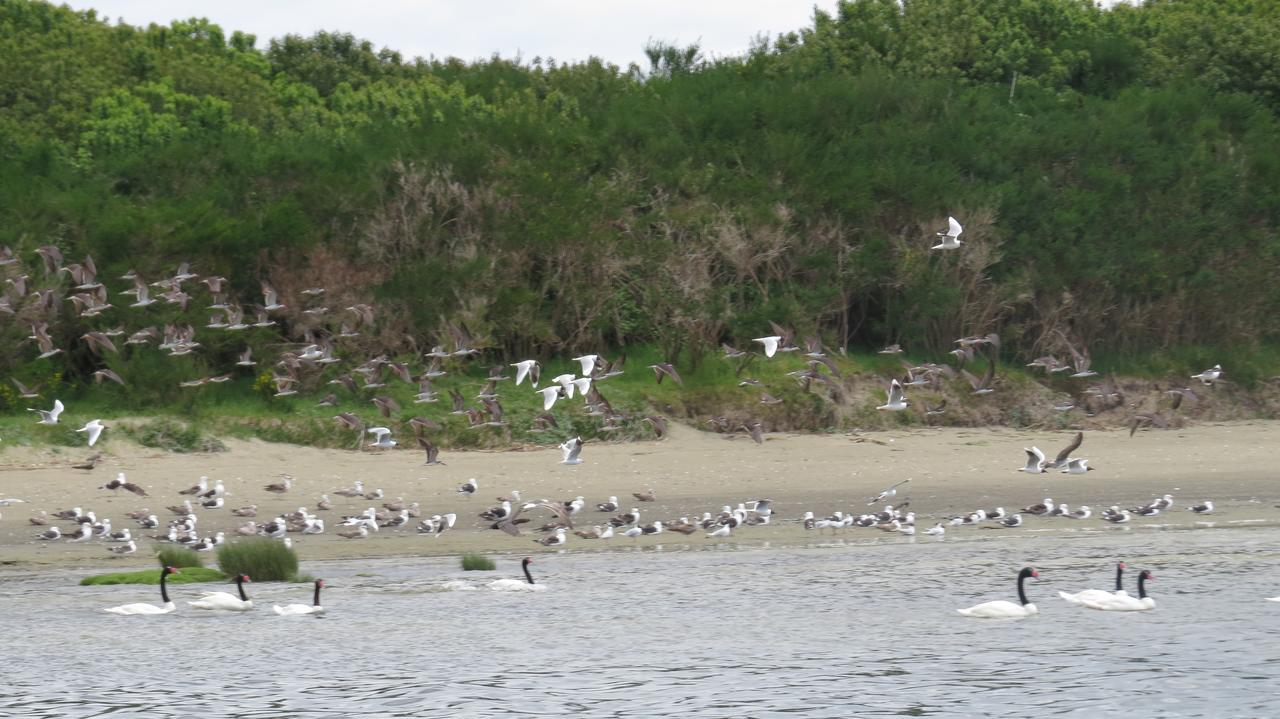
{"x": 477, "y": 563}
{"x": 264, "y": 560}
{"x": 179, "y": 557}
{"x": 187, "y": 575}
{"x": 1115, "y": 171}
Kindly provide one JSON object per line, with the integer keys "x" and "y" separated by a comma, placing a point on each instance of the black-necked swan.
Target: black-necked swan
{"x": 1001, "y": 609}
{"x": 1079, "y": 597}
{"x": 225, "y": 601}
{"x": 517, "y": 585}
{"x": 143, "y": 607}
{"x": 1124, "y": 602}
{"x": 294, "y": 610}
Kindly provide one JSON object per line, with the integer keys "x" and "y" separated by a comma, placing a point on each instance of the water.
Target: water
{"x": 853, "y": 630}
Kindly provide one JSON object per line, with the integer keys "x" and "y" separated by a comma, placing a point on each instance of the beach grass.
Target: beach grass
{"x": 187, "y": 575}
{"x": 179, "y": 557}
{"x": 476, "y": 563}
{"x": 263, "y": 560}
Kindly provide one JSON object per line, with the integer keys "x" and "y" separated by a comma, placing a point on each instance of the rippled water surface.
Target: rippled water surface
{"x": 863, "y": 630}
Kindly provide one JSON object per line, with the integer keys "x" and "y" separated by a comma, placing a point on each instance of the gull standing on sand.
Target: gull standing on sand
{"x": 469, "y": 488}
{"x": 94, "y": 429}
{"x": 950, "y": 237}
{"x": 896, "y": 399}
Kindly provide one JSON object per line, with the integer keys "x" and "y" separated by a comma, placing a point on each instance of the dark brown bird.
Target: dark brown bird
{"x": 659, "y": 425}
{"x": 644, "y": 496}
{"x": 120, "y": 483}
{"x": 89, "y": 463}
{"x": 665, "y": 369}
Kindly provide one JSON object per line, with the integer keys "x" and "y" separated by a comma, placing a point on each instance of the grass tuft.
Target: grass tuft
{"x": 263, "y": 560}
{"x": 179, "y": 557}
{"x": 188, "y": 575}
{"x": 477, "y": 563}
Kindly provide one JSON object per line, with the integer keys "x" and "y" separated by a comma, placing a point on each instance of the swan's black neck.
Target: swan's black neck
{"x": 1119, "y": 574}
{"x": 1022, "y": 596}
{"x": 1142, "y": 586}
{"x": 316, "y": 601}
{"x": 240, "y": 587}
{"x": 528, "y": 577}
{"x": 164, "y": 590}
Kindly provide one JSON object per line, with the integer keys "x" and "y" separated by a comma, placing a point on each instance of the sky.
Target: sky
{"x": 568, "y": 30}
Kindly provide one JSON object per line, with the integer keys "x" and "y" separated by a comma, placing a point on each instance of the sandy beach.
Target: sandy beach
{"x": 952, "y": 471}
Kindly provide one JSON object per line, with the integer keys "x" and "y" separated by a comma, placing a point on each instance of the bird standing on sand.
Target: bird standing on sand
{"x": 469, "y": 488}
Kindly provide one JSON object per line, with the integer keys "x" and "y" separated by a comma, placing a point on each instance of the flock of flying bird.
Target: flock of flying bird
{"x": 302, "y": 366}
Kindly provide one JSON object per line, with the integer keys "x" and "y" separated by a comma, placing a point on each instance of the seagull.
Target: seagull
{"x": 1077, "y": 466}
{"x": 896, "y": 399}
{"x": 1205, "y": 508}
{"x": 951, "y": 237}
{"x": 1061, "y": 461}
{"x": 770, "y": 345}
{"x": 588, "y": 363}
{"x": 1042, "y": 508}
{"x": 936, "y": 530}
{"x": 665, "y": 369}
{"x": 50, "y": 416}
{"x": 527, "y": 368}
{"x": 120, "y": 483}
{"x": 1013, "y": 521}
{"x": 383, "y": 437}
{"x": 469, "y": 488}
{"x": 94, "y": 429}
{"x": 572, "y": 449}
{"x": 1035, "y": 461}
{"x": 891, "y": 491}
{"x": 1209, "y": 376}
{"x": 550, "y": 395}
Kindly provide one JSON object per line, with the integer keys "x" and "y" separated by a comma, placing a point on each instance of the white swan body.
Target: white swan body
{"x": 1002, "y": 609}
{"x": 1097, "y": 595}
{"x": 297, "y": 610}
{"x": 143, "y": 607}
{"x": 225, "y": 601}
{"x": 517, "y": 585}
{"x": 1124, "y": 602}
{"x": 1273, "y": 599}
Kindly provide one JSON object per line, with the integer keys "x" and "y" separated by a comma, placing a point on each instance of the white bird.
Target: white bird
{"x": 723, "y": 531}
{"x": 1209, "y": 376}
{"x": 144, "y": 608}
{"x": 517, "y": 585}
{"x": 588, "y": 363}
{"x": 566, "y": 383}
{"x": 550, "y": 395}
{"x": 469, "y": 488}
{"x": 896, "y": 399}
{"x": 382, "y": 437}
{"x": 572, "y": 449}
{"x": 49, "y": 416}
{"x": 1206, "y": 508}
{"x": 296, "y": 610}
{"x": 1035, "y": 461}
{"x": 225, "y": 601}
{"x": 770, "y": 344}
{"x": 936, "y": 530}
{"x": 950, "y": 238}
{"x": 525, "y": 368}
{"x": 1077, "y": 466}
{"x": 888, "y": 493}
{"x": 1079, "y": 597}
{"x": 1001, "y": 609}
{"x": 1122, "y": 602}
{"x": 94, "y": 429}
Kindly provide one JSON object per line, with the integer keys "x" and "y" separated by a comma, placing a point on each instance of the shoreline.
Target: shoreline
{"x": 953, "y": 471}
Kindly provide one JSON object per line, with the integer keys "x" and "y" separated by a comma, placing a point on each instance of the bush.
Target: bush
{"x": 263, "y": 560}
{"x": 173, "y": 436}
{"x": 476, "y": 562}
{"x": 179, "y": 557}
